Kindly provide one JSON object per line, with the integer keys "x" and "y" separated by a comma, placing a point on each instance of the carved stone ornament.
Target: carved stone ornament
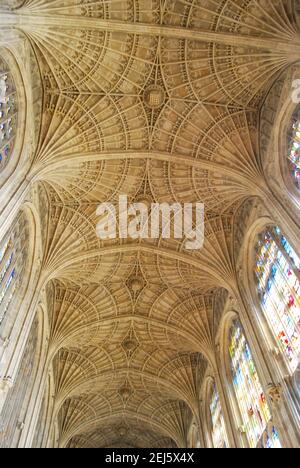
{"x": 275, "y": 393}
{"x": 6, "y": 384}
{"x": 154, "y": 96}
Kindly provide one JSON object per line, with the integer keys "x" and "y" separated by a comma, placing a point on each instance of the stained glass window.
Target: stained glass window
{"x": 251, "y": 399}
{"x": 294, "y": 148}
{"x": 7, "y": 274}
{"x": 8, "y": 114}
{"x": 218, "y": 424}
{"x": 270, "y": 438}
{"x": 278, "y": 277}
{"x": 12, "y": 260}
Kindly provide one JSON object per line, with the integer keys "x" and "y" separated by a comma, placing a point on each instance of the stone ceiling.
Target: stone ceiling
{"x": 159, "y": 100}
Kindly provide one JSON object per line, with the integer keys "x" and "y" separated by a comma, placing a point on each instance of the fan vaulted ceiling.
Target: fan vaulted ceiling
{"x": 158, "y": 100}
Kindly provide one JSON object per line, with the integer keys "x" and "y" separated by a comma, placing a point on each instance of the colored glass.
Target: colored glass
{"x": 8, "y": 115}
{"x": 218, "y": 424}
{"x": 294, "y": 149}
{"x": 7, "y": 277}
{"x": 251, "y": 399}
{"x": 277, "y": 272}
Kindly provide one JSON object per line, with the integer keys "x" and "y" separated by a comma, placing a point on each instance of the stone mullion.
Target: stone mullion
{"x": 201, "y": 428}
{"x": 12, "y": 207}
{"x": 286, "y": 256}
{"x": 271, "y": 377}
{"x": 205, "y": 436}
{"x": 13, "y": 352}
{"x": 231, "y": 424}
{"x": 35, "y": 404}
{"x": 289, "y": 224}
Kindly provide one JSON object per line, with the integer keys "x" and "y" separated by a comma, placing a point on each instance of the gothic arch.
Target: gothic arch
{"x": 276, "y": 117}
{"x": 15, "y": 414}
{"x": 229, "y": 317}
{"x": 143, "y": 420}
{"x": 260, "y": 326}
{"x": 226, "y": 374}
{"x": 208, "y": 384}
{"x": 11, "y": 65}
{"x": 34, "y": 251}
{"x": 35, "y": 404}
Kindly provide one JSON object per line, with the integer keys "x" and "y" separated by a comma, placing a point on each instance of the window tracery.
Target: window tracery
{"x": 219, "y": 435}
{"x": 250, "y": 396}
{"x": 8, "y": 114}
{"x": 278, "y": 281}
{"x": 294, "y": 148}
{"x": 13, "y": 254}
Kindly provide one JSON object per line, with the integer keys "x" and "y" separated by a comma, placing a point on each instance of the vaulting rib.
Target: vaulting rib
{"x": 31, "y": 21}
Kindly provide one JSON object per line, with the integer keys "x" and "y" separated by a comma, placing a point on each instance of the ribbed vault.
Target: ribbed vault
{"x": 133, "y": 323}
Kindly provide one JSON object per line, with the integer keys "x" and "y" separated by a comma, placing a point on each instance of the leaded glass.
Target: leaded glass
{"x": 8, "y": 114}
{"x": 251, "y": 398}
{"x": 271, "y": 438}
{"x": 277, "y": 272}
{"x": 12, "y": 262}
{"x": 294, "y": 148}
{"x": 218, "y": 424}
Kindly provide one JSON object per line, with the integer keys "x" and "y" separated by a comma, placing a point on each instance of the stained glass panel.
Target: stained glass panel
{"x": 8, "y": 114}
{"x": 251, "y": 399}
{"x": 294, "y": 148}
{"x": 277, "y": 272}
{"x": 271, "y": 439}
{"x": 13, "y": 254}
{"x": 7, "y": 276}
{"x": 218, "y": 424}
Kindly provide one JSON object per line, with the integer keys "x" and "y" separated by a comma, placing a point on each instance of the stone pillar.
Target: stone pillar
{"x": 6, "y": 383}
{"x": 286, "y": 220}
{"x": 223, "y": 390}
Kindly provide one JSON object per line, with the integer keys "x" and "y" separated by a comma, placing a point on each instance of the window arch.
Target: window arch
{"x": 13, "y": 254}
{"x": 8, "y": 114}
{"x": 219, "y": 435}
{"x": 252, "y": 402}
{"x": 278, "y": 283}
{"x": 11, "y": 418}
{"x": 294, "y": 148}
